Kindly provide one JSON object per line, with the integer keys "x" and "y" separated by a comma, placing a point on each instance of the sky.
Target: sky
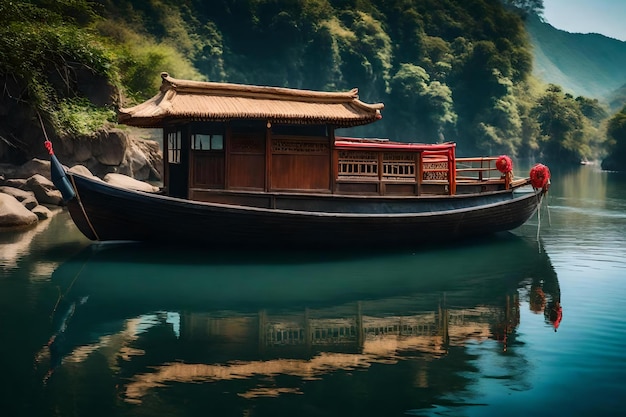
{"x": 607, "y": 17}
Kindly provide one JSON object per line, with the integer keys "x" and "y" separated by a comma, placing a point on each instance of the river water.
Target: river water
{"x": 510, "y": 325}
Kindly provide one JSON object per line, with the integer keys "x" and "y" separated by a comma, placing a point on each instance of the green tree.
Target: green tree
{"x": 526, "y": 6}
{"x": 423, "y": 110}
{"x": 592, "y": 109}
{"x": 616, "y": 134}
{"x": 562, "y": 126}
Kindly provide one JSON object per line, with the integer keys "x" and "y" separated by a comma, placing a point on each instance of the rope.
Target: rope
{"x": 82, "y": 208}
{"x": 538, "y": 220}
{"x": 62, "y": 295}
{"x": 548, "y": 210}
{"x": 540, "y": 203}
{"x": 47, "y": 143}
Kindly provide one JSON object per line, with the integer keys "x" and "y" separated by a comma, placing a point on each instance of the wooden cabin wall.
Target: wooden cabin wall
{"x": 246, "y": 164}
{"x": 207, "y": 170}
{"x": 300, "y": 163}
{"x": 259, "y": 157}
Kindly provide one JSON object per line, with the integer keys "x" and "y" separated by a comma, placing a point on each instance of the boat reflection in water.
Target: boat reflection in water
{"x": 268, "y": 324}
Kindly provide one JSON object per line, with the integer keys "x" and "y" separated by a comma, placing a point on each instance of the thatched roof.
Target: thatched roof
{"x": 209, "y": 101}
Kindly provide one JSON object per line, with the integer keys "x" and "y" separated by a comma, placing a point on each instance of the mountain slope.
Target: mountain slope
{"x": 590, "y": 65}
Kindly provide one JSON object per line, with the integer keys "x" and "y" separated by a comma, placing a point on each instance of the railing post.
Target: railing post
{"x": 452, "y": 171}
{"x": 419, "y": 164}
{"x": 381, "y": 187}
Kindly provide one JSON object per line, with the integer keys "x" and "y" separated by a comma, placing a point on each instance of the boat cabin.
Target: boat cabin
{"x": 241, "y": 144}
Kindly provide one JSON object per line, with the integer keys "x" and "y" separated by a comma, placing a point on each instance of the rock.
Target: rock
{"x": 613, "y": 163}
{"x": 14, "y": 214}
{"x": 84, "y": 171}
{"x": 138, "y": 162}
{"x": 42, "y": 212}
{"x": 143, "y": 160}
{"x": 155, "y": 157}
{"x": 27, "y": 198}
{"x": 110, "y": 146}
{"x": 32, "y": 167}
{"x": 44, "y": 190}
{"x": 82, "y": 149}
{"x": 7, "y": 171}
{"x": 129, "y": 183}
{"x": 81, "y": 170}
{"x": 15, "y": 183}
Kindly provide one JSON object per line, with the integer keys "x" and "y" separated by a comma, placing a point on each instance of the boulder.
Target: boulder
{"x": 15, "y": 183}
{"x": 154, "y": 155}
{"x": 82, "y": 149}
{"x": 27, "y": 198}
{"x": 32, "y": 167}
{"x": 44, "y": 189}
{"x": 81, "y": 170}
{"x": 7, "y": 171}
{"x": 14, "y": 214}
{"x": 137, "y": 163}
{"x": 110, "y": 146}
{"x": 124, "y": 181}
{"x": 42, "y": 212}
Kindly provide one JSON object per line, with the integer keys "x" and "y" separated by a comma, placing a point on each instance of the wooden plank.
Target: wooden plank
{"x": 247, "y": 161}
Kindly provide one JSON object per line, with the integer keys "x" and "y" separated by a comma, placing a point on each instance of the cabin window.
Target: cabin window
{"x": 174, "y": 143}
{"x": 202, "y": 142}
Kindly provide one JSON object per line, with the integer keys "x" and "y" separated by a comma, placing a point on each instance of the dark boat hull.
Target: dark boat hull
{"x": 104, "y": 212}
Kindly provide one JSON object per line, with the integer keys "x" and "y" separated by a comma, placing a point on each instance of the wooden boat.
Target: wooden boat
{"x": 252, "y": 166}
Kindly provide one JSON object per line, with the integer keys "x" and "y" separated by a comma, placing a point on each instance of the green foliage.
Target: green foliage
{"x": 81, "y": 117}
{"x": 526, "y": 93}
{"x": 42, "y": 49}
{"x": 526, "y": 6}
{"x": 141, "y": 60}
{"x": 473, "y": 55}
{"x": 423, "y": 109}
{"x": 616, "y": 132}
{"x": 457, "y": 70}
{"x": 592, "y": 109}
{"x": 568, "y": 133}
{"x": 365, "y": 52}
{"x": 616, "y": 141}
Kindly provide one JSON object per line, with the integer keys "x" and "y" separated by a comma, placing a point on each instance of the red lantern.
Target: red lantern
{"x": 504, "y": 164}
{"x": 539, "y": 176}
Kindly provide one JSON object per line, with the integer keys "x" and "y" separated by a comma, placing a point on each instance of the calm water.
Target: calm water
{"x": 503, "y": 326}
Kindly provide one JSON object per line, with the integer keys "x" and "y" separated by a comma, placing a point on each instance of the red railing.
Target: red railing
{"x": 433, "y": 166}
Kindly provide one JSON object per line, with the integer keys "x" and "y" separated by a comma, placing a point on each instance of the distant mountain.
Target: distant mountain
{"x": 590, "y": 65}
{"x": 617, "y": 99}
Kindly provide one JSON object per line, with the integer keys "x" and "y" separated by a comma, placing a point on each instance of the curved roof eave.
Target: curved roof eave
{"x": 196, "y": 100}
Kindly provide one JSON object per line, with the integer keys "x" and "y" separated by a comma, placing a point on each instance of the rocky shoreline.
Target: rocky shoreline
{"x": 28, "y": 196}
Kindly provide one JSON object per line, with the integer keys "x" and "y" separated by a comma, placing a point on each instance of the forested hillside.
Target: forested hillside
{"x": 457, "y": 70}
{"x": 444, "y": 68}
